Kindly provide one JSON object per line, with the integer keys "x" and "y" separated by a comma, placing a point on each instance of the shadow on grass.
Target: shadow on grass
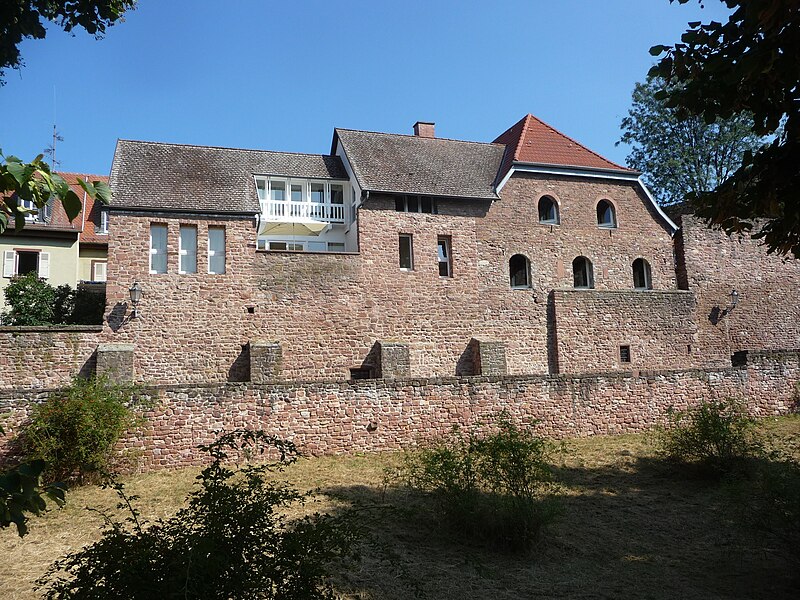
{"x": 640, "y": 527}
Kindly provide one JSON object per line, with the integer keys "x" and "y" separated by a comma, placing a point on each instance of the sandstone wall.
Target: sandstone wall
{"x": 768, "y": 312}
{"x": 657, "y": 326}
{"x": 366, "y": 416}
{"x": 45, "y": 357}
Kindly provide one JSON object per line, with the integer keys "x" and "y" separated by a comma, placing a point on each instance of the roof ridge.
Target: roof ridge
{"x": 78, "y": 174}
{"x": 573, "y": 140}
{"x": 225, "y": 148}
{"x": 418, "y": 137}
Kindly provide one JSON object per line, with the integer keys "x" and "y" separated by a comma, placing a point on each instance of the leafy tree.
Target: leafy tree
{"x": 677, "y": 156}
{"x": 748, "y": 64}
{"x": 23, "y": 19}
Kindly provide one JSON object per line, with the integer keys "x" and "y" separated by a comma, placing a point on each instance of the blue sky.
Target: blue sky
{"x": 282, "y": 75}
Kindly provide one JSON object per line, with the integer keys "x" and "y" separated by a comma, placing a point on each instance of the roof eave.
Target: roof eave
{"x": 492, "y": 196}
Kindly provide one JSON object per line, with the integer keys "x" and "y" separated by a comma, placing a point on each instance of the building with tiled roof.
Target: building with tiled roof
{"x": 59, "y": 250}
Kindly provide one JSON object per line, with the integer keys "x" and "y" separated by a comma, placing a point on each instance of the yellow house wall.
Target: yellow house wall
{"x": 63, "y": 259}
{"x": 85, "y": 258}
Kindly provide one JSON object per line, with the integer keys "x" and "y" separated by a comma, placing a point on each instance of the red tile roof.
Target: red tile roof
{"x": 531, "y": 140}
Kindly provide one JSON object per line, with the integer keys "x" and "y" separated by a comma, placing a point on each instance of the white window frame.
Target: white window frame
{"x": 104, "y": 265}
{"x": 214, "y": 253}
{"x": 154, "y": 251}
{"x": 103, "y": 222}
{"x": 11, "y": 263}
{"x": 182, "y": 252}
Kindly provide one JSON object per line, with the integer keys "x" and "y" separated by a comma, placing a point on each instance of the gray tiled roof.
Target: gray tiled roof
{"x": 153, "y": 176}
{"x": 385, "y": 162}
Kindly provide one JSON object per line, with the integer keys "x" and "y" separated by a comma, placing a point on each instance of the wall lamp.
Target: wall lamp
{"x": 136, "y": 295}
{"x": 734, "y": 300}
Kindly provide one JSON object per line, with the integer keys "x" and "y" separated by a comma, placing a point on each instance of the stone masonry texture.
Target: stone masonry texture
{"x": 360, "y": 416}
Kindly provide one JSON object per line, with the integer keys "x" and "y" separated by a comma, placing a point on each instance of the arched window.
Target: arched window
{"x": 606, "y": 215}
{"x": 519, "y": 270}
{"x": 548, "y": 211}
{"x": 582, "y": 273}
{"x": 641, "y": 275}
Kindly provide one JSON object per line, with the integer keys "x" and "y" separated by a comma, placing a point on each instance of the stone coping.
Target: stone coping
{"x": 51, "y": 329}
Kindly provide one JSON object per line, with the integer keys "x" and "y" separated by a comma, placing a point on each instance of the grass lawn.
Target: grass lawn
{"x": 631, "y": 527}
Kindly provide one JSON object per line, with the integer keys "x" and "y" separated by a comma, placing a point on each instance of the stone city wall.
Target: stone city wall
{"x": 376, "y": 415}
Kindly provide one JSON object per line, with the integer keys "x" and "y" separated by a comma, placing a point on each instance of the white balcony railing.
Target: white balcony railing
{"x": 289, "y": 211}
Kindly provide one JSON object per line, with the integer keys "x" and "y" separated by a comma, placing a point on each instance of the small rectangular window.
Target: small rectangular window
{"x": 297, "y": 192}
{"x": 103, "y": 221}
{"x": 187, "y": 249}
{"x": 445, "y": 259}
{"x": 99, "y": 270}
{"x": 216, "y": 250}
{"x": 406, "y": 253}
{"x": 624, "y": 354}
{"x": 413, "y": 203}
{"x": 277, "y": 245}
{"x": 158, "y": 248}
{"x": 335, "y": 247}
{"x": 261, "y": 186}
{"x": 296, "y": 247}
{"x": 318, "y": 192}
{"x": 337, "y": 193}
{"x": 400, "y": 204}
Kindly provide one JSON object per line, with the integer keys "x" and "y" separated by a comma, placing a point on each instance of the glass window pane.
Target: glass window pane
{"x": 406, "y": 255}
{"x": 337, "y": 194}
{"x": 278, "y": 190}
{"x": 188, "y": 249}
{"x": 400, "y": 204}
{"x": 261, "y": 186}
{"x": 216, "y": 250}
{"x": 318, "y": 192}
{"x": 443, "y": 245}
{"x": 158, "y": 248}
{"x": 413, "y": 203}
{"x": 427, "y": 204}
{"x": 297, "y": 193}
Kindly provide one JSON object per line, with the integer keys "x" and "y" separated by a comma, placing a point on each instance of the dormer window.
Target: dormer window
{"x": 416, "y": 204}
{"x": 103, "y": 222}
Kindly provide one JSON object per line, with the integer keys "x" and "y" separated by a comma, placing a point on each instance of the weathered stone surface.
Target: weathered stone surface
{"x": 265, "y": 361}
{"x": 394, "y": 361}
{"x": 489, "y": 357}
{"x": 386, "y": 414}
{"x": 115, "y": 361}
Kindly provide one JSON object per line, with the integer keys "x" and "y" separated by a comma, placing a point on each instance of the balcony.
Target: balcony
{"x": 292, "y": 211}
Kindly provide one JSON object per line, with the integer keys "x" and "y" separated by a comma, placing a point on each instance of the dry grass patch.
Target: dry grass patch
{"x": 631, "y": 527}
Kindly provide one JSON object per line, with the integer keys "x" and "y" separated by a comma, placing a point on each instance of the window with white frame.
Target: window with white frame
{"x": 158, "y": 248}
{"x": 216, "y": 250}
{"x": 103, "y": 222}
{"x": 22, "y": 262}
{"x": 406, "y": 253}
{"x": 187, "y": 249}
{"x": 99, "y": 268}
{"x": 444, "y": 256}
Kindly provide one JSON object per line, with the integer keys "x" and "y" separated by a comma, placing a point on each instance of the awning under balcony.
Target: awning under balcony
{"x": 276, "y": 228}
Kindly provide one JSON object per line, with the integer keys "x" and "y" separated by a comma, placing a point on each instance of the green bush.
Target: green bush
{"x": 33, "y": 301}
{"x": 232, "y": 540}
{"x": 30, "y": 300}
{"x": 495, "y": 488}
{"x": 715, "y": 434}
{"x": 75, "y": 430}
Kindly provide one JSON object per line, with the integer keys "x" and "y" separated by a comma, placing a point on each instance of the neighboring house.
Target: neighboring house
{"x": 58, "y": 250}
{"x": 533, "y": 245}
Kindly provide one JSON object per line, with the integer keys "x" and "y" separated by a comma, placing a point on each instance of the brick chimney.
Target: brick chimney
{"x": 424, "y": 129}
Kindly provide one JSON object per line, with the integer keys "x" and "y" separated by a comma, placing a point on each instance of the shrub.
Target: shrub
{"x": 495, "y": 488}
{"x": 232, "y": 540}
{"x": 715, "y": 434}
{"x": 33, "y": 301}
{"x": 30, "y": 300}
{"x": 75, "y": 430}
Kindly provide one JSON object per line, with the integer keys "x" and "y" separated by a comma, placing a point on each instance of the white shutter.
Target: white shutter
{"x": 8, "y": 263}
{"x": 44, "y": 265}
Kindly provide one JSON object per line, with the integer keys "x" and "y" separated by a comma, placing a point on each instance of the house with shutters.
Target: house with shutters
{"x": 58, "y": 250}
{"x": 416, "y": 256}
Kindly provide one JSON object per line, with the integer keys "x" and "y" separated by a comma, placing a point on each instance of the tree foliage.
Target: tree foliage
{"x": 22, "y": 494}
{"x": 32, "y": 301}
{"x": 678, "y": 156}
{"x": 748, "y": 64}
{"x": 232, "y": 540}
{"x": 27, "y": 19}
{"x": 35, "y": 183}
